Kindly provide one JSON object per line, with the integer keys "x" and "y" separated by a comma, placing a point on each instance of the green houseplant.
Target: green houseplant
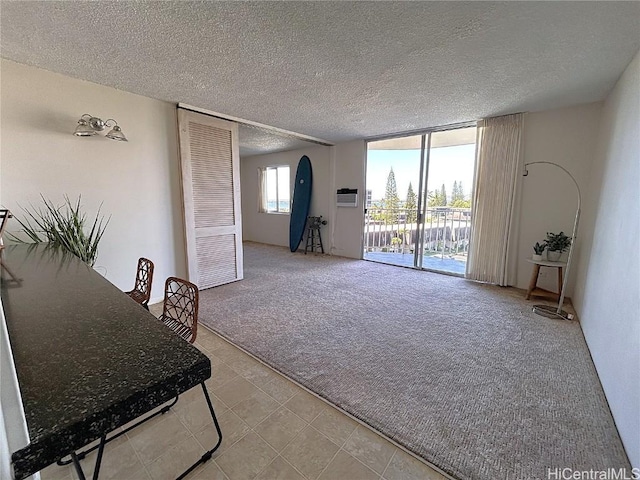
{"x": 538, "y": 249}
{"x": 556, "y": 244}
{"x": 65, "y": 227}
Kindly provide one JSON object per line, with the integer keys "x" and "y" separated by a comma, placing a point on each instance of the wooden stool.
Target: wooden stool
{"x": 534, "y": 290}
{"x": 314, "y": 239}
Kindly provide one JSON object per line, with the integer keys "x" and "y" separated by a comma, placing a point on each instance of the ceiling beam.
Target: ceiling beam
{"x": 275, "y": 130}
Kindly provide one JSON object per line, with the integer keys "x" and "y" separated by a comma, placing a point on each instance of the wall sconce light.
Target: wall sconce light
{"x": 88, "y": 125}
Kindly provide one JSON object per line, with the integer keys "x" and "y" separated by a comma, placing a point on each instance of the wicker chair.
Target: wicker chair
{"x": 141, "y": 292}
{"x": 180, "y": 308}
{"x": 5, "y": 215}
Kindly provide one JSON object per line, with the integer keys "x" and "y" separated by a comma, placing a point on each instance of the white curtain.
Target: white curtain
{"x": 262, "y": 189}
{"x": 494, "y": 202}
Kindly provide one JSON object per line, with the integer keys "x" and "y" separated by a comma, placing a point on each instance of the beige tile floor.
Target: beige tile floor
{"x": 272, "y": 429}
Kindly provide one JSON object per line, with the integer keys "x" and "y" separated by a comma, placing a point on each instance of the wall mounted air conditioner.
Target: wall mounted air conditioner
{"x": 347, "y": 197}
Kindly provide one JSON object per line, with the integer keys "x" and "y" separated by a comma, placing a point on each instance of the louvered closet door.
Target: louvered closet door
{"x": 211, "y": 191}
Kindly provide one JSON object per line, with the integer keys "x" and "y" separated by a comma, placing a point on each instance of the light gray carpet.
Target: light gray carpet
{"x": 460, "y": 373}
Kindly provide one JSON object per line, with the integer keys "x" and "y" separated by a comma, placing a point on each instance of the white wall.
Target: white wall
{"x": 341, "y": 166}
{"x": 273, "y": 228}
{"x": 565, "y": 136}
{"x": 137, "y": 181}
{"x": 348, "y": 168}
{"x": 607, "y": 295}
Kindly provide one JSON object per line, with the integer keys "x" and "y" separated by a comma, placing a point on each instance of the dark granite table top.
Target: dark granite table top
{"x": 88, "y": 358}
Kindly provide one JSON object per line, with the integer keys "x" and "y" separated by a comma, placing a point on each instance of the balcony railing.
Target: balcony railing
{"x": 446, "y": 231}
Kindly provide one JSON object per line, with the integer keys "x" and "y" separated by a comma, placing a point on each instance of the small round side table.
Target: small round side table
{"x": 534, "y": 290}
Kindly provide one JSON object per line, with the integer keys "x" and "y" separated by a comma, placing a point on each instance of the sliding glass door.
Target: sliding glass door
{"x": 446, "y": 214}
{"x": 427, "y": 227}
{"x": 391, "y": 214}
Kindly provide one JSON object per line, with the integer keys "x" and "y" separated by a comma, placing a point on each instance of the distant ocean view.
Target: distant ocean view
{"x": 285, "y": 206}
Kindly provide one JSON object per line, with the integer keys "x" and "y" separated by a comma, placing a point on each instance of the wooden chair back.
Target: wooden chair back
{"x": 180, "y": 308}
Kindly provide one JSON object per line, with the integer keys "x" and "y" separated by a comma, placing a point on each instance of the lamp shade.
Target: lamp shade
{"x": 84, "y": 129}
{"x": 116, "y": 134}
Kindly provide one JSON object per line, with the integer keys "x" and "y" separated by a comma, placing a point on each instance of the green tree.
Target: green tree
{"x": 433, "y": 198}
{"x": 461, "y": 204}
{"x": 377, "y": 210}
{"x": 391, "y": 199}
{"x": 437, "y": 198}
{"x": 458, "y": 197}
{"x": 457, "y": 193}
{"x": 411, "y": 205}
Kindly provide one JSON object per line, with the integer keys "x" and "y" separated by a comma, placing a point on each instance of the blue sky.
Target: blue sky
{"x": 446, "y": 165}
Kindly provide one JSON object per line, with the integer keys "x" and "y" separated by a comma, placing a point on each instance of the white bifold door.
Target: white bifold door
{"x": 210, "y": 167}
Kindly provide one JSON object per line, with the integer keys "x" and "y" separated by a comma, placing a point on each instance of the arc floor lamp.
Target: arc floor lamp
{"x": 546, "y": 310}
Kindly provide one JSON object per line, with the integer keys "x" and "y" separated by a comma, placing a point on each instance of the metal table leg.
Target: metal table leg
{"x": 82, "y": 455}
{"x": 75, "y": 458}
{"x": 96, "y": 470}
{"x": 207, "y": 455}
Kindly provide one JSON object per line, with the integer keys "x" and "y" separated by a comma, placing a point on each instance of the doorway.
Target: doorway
{"x": 418, "y": 199}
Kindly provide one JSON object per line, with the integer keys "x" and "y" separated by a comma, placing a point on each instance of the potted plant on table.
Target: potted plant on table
{"x": 64, "y": 227}
{"x": 556, "y": 244}
{"x": 538, "y": 249}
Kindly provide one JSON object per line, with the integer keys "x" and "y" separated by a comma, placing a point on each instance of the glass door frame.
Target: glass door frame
{"x": 421, "y": 208}
{"x": 418, "y": 249}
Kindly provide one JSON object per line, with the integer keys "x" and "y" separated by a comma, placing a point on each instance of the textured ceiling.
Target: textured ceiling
{"x": 335, "y": 70}
{"x": 256, "y": 141}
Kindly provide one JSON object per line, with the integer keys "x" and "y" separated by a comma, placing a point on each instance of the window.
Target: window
{"x": 275, "y": 196}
